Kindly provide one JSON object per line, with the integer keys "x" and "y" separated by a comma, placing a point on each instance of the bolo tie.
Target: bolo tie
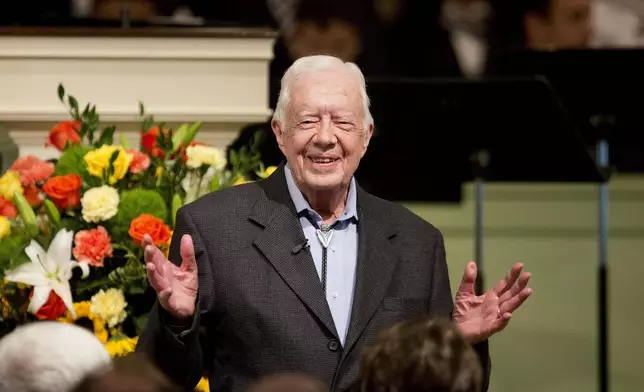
{"x": 324, "y": 234}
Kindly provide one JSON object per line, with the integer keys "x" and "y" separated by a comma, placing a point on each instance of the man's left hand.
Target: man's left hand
{"x": 481, "y": 316}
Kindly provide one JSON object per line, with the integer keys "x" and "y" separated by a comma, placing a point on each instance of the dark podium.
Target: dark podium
{"x": 600, "y": 89}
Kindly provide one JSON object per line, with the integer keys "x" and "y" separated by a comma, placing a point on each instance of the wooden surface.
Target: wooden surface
{"x": 188, "y": 32}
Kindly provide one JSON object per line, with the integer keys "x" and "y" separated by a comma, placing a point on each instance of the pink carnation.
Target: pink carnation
{"x": 140, "y": 162}
{"x": 32, "y": 170}
{"x": 92, "y": 246}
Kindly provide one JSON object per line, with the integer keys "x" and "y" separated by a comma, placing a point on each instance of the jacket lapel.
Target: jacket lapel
{"x": 280, "y": 243}
{"x": 376, "y": 264}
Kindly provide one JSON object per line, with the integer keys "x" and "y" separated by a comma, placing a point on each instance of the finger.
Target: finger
{"x": 469, "y": 278}
{"x": 502, "y": 322}
{"x": 153, "y": 255}
{"x": 188, "y": 259}
{"x": 516, "y": 289}
{"x": 156, "y": 279}
{"x": 510, "y": 279}
{"x": 515, "y": 302}
{"x": 147, "y": 240}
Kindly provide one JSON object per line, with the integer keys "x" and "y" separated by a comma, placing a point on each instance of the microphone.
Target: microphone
{"x": 297, "y": 248}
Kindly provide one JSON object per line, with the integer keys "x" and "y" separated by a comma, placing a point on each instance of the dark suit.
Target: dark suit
{"x": 261, "y": 307}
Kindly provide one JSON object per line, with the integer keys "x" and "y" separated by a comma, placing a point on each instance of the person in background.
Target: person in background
{"x": 288, "y": 382}
{"x": 133, "y": 373}
{"x": 49, "y": 356}
{"x": 420, "y": 355}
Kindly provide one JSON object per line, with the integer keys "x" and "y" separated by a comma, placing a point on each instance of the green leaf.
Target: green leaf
{"x": 73, "y": 103}
{"x": 123, "y": 141}
{"x": 19, "y": 257}
{"x": 52, "y": 212}
{"x": 61, "y": 92}
{"x": 234, "y": 158}
{"x": 107, "y": 136}
{"x": 72, "y": 162}
{"x": 140, "y": 322}
{"x": 179, "y": 136}
{"x": 141, "y": 109}
{"x": 192, "y": 132}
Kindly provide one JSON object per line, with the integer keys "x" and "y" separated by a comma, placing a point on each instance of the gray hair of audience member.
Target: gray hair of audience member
{"x": 49, "y": 356}
{"x": 309, "y": 64}
{"x": 288, "y": 382}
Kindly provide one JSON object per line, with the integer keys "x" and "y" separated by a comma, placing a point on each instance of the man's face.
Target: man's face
{"x": 323, "y": 134}
{"x": 568, "y": 26}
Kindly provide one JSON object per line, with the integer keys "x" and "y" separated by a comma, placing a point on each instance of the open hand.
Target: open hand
{"x": 479, "y": 317}
{"x": 176, "y": 287}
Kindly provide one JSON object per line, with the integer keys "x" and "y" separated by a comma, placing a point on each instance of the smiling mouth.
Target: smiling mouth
{"x": 323, "y": 161}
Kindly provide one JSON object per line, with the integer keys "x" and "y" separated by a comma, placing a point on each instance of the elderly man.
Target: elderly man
{"x": 299, "y": 272}
{"x": 49, "y": 356}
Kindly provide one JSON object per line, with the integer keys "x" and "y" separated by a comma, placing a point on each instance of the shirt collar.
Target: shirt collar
{"x": 350, "y": 210}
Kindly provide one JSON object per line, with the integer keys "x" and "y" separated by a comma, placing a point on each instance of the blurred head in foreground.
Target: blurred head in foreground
{"x": 133, "y": 373}
{"x": 288, "y": 382}
{"x": 49, "y": 356}
{"x": 421, "y": 355}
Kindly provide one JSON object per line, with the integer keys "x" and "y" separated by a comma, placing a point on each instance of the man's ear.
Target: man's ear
{"x": 367, "y": 138}
{"x": 278, "y": 131}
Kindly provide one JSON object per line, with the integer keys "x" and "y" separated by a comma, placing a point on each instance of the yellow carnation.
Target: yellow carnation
{"x": 121, "y": 347}
{"x": 98, "y": 161}
{"x": 109, "y": 306}
{"x": 5, "y": 227}
{"x": 9, "y": 184}
{"x": 100, "y": 204}
{"x": 203, "y": 155}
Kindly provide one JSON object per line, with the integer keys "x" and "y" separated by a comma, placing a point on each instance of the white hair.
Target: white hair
{"x": 49, "y": 356}
{"x": 308, "y": 64}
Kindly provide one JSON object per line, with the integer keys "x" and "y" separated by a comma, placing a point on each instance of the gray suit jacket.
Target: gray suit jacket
{"x": 261, "y": 307}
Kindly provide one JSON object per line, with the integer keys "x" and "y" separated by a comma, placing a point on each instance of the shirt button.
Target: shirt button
{"x": 333, "y": 345}
{"x": 335, "y": 294}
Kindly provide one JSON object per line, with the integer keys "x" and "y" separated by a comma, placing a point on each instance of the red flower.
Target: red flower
{"x": 32, "y": 194}
{"x": 140, "y": 162}
{"x": 92, "y": 246}
{"x": 64, "y": 191}
{"x": 62, "y": 133}
{"x": 149, "y": 142}
{"x": 32, "y": 170}
{"x": 52, "y": 309}
{"x": 7, "y": 209}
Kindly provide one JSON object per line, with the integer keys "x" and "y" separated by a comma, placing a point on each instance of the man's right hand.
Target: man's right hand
{"x": 176, "y": 287}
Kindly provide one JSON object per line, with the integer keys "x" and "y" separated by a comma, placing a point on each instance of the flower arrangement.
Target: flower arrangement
{"x": 70, "y": 230}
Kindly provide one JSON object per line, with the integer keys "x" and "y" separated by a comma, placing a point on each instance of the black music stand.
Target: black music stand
{"x": 597, "y": 87}
{"x": 503, "y": 130}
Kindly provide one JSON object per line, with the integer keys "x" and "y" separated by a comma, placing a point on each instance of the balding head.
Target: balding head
{"x": 49, "y": 356}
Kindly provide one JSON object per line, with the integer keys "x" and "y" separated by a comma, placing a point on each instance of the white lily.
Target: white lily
{"x": 49, "y": 271}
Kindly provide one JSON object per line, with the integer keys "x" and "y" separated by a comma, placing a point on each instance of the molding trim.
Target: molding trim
{"x": 25, "y": 47}
{"x": 235, "y": 115}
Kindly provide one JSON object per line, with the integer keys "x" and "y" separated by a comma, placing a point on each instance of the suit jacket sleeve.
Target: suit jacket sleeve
{"x": 177, "y": 348}
{"x": 441, "y": 304}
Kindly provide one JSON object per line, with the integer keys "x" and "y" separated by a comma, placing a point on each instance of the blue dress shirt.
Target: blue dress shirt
{"x": 342, "y": 254}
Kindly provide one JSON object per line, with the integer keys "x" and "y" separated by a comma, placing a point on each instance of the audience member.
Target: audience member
{"x": 133, "y": 373}
{"x": 49, "y": 356}
{"x": 420, "y": 355}
{"x": 288, "y": 382}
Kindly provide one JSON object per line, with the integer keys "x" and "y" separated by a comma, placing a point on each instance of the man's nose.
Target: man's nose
{"x": 326, "y": 133}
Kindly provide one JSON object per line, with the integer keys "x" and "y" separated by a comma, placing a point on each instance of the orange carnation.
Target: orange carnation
{"x": 62, "y": 133}
{"x": 140, "y": 162}
{"x": 52, "y": 309}
{"x": 32, "y": 170}
{"x": 92, "y": 246}
{"x": 150, "y": 225}
{"x": 64, "y": 191}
